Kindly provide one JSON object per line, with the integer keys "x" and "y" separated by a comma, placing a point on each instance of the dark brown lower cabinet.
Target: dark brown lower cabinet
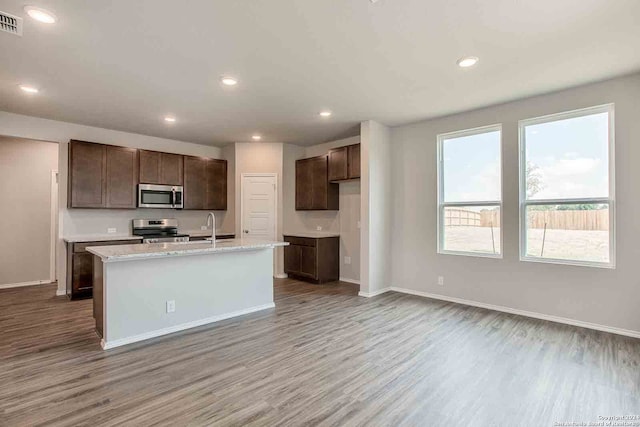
{"x": 80, "y": 267}
{"x": 315, "y": 260}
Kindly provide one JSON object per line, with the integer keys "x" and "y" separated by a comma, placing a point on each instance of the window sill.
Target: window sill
{"x": 605, "y": 265}
{"x": 471, "y": 254}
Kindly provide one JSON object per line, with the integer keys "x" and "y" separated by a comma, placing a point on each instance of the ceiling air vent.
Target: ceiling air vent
{"x": 10, "y": 24}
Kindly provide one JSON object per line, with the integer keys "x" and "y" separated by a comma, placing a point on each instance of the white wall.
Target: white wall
{"x": 25, "y": 208}
{"x": 345, "y": 221}
{"x": 376, "y": 208}
{"x": 90, "y": 221}
{"x": 260, "y": 157}
{"x": 600, "y": 296}
{"x": 349, "y": 217}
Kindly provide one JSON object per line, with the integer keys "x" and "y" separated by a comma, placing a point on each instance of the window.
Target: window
{"x": 566, "y": 188}
{"x": 470, "y": 192}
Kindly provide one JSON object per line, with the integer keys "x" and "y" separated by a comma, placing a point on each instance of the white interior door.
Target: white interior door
{"x": 259, "y": 206}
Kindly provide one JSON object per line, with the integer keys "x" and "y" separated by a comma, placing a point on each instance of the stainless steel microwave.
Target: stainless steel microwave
{"x": 160, "y": 196}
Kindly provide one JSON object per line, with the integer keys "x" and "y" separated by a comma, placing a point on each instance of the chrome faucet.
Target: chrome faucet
{"x": 211, "y": 221}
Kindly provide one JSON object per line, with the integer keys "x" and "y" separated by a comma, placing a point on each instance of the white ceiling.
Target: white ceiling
{"x": 125, "y": 64}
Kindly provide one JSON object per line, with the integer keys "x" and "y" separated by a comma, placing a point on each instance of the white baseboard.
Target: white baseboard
{"x": 22, "y": 284}
{"x": 374, "y": 293}
{"x": 551, "y": 318}
{"x": 281, "y": 276}
{"x": 177, "y": 328}
{"x": 346, "y": 279}
{"x": 61, "y": 292}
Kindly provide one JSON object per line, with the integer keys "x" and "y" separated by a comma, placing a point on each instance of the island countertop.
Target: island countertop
{"x": 159, "y": 250}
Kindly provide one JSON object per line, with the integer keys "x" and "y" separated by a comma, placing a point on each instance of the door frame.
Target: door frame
{"x": 54, "y": 225}
{"x": 275, "y": 200}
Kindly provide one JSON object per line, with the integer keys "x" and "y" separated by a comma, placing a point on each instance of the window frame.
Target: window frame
{"x": 442, "y": 205}
{"x": 610, "y": 201}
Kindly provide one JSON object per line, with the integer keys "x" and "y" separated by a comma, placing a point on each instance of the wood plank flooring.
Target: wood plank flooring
{"x": 323, "y": 356}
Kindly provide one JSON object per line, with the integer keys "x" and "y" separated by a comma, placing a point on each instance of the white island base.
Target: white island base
{"x": 134, "y": 289}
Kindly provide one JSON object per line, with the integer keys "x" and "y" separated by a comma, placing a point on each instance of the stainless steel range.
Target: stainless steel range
{"x": 158, "y": 230}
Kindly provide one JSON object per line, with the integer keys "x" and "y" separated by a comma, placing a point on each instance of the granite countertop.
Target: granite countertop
{"x": 121, "y": 236}
{"x": 99, "y": 238}
{"x": 160, "y": 250}
{"x": 312, "y": 234}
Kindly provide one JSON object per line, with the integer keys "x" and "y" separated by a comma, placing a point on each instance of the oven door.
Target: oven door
{"x": 157, "y": 196}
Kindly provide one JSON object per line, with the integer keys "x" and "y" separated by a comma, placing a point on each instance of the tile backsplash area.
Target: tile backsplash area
{"x": 99, "y": 221}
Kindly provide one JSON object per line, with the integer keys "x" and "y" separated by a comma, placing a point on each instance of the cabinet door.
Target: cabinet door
{"x": 338, "y": 164}
{"x": 292, "y": 259}
{"x": 308, "y": 261}
{"x": 122, "y": 177}
{"x": 82, "y": 273}
{"x": 87, "y": 175}
{"x": 320, "y": 182}
{"x": 216, "y": 185}
{"x": 354, "y": 161}
{"x": 149, "y": 167}
{"x": 304, "y": 184}
{"x": 171, "y": 169}
{"x": 195, "y": 183}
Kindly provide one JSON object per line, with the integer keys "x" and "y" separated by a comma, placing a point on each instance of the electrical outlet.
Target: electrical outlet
{"x": 171, "y": 306}
{"x": 319, "y": 228}
{"x": 441, "y": 280}
{"x": 347, "y": 260}
{"x": 111, "y": 230}
{"x": 203, "y": 227}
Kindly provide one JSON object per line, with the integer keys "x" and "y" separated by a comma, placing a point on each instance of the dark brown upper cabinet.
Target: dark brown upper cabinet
{"x": 122, "y": 177}
{"x": 106, "y": 176}
{"x": 87, "y": 175}
{"x": 205, "y": 183}
{"x": 313, "y": 189}
{"x": 102, "y": 176}
{"x": 216, "y": 189}
{"x": 344, "y": 163}
{"x": 354, "y": 161}
{"x": 161, "y": 168}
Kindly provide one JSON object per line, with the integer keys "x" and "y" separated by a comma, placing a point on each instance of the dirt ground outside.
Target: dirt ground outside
{"x": 582, "y": 245}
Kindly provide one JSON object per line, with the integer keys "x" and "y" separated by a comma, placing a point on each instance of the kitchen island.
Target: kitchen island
{"x": 147, "y": 290}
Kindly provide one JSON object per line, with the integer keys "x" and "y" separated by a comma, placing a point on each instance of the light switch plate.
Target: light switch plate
{"x": 111, "y": 230}
{"x": 203, "y": 227}
{"x": 319, "y": 228}
{"x": 441, "y": 280}
{"x": 347, "y": 260}
{"x": 171, "y": 306}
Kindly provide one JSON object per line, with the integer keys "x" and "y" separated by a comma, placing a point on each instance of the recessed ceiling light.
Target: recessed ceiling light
{"x": 29, "y": 89}
{"x": 229, "y": 81}
{"x": 256, "y": 137}
{"x": 467, "y": 61}
{"x": 325, "y": 113}
{"x": 41, "y": 15}
{"x": 170, "y": 119}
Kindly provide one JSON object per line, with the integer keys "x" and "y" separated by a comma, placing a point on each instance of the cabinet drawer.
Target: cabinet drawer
{"x": 82, "y": 247}
{"x": 301, "y": 241}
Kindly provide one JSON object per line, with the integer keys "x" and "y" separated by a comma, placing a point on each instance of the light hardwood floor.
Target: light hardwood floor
{"x": 323, "y": 356}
